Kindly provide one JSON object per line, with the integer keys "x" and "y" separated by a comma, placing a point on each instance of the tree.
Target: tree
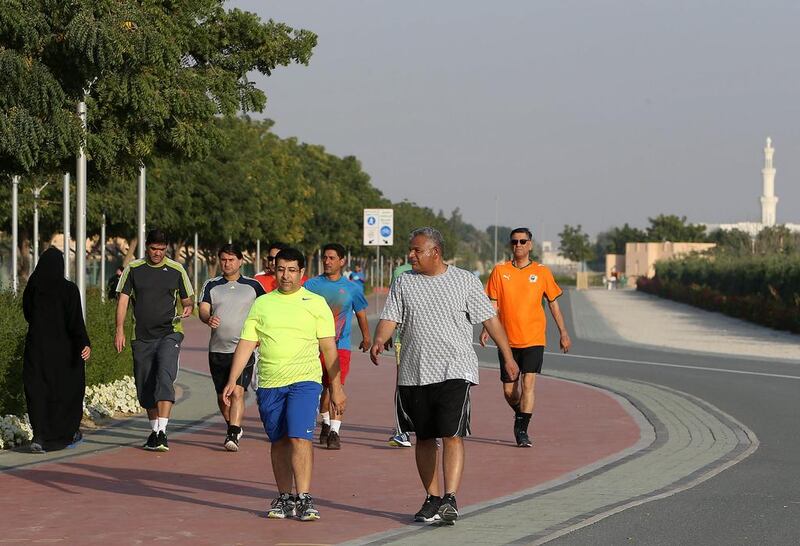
{"x": 155, "y": 75}
{"x": 575, "y": 244}
{"x": 675, "y": 229}
{"x": 613, "y": 241}
{"x": 733, "y": 242}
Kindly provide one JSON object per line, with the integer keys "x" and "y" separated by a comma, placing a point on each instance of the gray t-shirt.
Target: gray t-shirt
{"x": 231, "y": 302}
{"x": 436, "y": 315}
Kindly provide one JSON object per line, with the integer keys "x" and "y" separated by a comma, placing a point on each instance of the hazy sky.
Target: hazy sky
{"x": 571, "y": 112}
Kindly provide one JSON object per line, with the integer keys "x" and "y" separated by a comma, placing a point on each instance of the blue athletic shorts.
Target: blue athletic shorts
{"x": 289, "y": 410}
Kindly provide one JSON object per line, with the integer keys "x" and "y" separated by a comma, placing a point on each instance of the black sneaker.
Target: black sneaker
{"x": 523, "y": 440}
{"x": 448, "y": 510}
{"x": 232, "y": 442}
{"x": 430, "y": 509}
{"x": 161, "y": 442}
{"x": 152, "y": 440}
{"x": 282, "y": 507}
{"x": 323, "y": 434}
{"x": 334, "y": 442}
{"x": 304, "y": 508}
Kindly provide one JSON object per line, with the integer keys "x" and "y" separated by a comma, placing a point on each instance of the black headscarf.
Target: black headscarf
{"x": 49, "y": 271}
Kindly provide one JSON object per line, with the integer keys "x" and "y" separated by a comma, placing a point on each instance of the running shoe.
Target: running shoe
{"x": 400, "y": 440}
{"x": 232, "y": 442}
{"x": 161, "y": 442}
{"x": 523, "y": 440}
{"x": 152, "y": 440}
{"x": 282, "y": 507}
{"x": 430, "y": 509}
{"x": 305, "y": 509}
{"x": 334, "y": 442}
{"x": 323, "y": 434}
{"x": 448, "y": 510}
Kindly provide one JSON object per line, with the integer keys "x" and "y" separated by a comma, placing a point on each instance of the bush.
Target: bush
{"x": 104, "y": 366}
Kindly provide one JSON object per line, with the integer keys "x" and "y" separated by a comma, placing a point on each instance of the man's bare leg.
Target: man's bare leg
{"x": 452, "y": 462}
{"x": 427, "y": 454}
{"x": 281, "y": 456}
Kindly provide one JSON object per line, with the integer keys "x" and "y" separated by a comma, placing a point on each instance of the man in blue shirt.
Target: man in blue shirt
{"x": 344, "y": 297}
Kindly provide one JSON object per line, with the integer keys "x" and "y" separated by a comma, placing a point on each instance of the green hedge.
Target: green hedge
{"x": 763, "y": 291}
{"x": 105, "y": 364}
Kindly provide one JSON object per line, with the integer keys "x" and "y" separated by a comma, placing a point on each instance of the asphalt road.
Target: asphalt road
{"x": 754, "y": 502}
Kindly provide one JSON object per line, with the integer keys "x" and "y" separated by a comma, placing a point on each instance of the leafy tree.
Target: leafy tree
{"x": 575, "y": 244}
{"x": 155, "y": 75}
{"x": 669, "y": 227}
{"x": 734, "y": 242}
{"x": 613, "y": 241}
{"x": 777, "y": 240}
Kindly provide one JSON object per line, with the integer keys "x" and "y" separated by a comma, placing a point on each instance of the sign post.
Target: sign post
{"x": 378, "y": 232}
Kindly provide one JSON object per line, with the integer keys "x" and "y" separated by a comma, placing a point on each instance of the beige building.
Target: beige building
{"x": 641, "y": 258}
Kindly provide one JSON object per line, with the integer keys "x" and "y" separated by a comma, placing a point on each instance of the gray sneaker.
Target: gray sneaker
{"x": 305, "y": 508}
{"x": 282, "y": 507}
{"x": 448, "y": 509}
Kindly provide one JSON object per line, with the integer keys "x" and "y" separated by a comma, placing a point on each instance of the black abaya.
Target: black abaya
{"x": 53, "y": 371}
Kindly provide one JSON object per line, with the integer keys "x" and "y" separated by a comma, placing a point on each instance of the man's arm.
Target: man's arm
{"x": 188, "y": 306}
{"x": 363, "y": 325}
{"x": 327, "y": 346}
{"x": 495, "y": 330}
{"x": 242, "y": 354}
{"x": 383, "y": 333}
{"x": 122, "y": 311}
{"x": 484, "y": 337}
{"x": 555, "y": 310}
{"x": 204, "y": 311}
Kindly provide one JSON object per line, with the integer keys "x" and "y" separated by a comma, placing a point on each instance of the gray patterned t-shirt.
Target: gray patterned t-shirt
{"x": 435, "y": 315}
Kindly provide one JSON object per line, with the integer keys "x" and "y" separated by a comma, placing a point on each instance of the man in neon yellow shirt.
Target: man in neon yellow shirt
{"x": 292, "y": 326}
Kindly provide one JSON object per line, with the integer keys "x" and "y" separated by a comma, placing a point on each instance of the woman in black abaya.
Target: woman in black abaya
{"x": 56, "y": 348}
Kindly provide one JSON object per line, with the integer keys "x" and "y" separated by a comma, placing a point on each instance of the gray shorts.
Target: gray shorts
{"x": 155, "y": 368}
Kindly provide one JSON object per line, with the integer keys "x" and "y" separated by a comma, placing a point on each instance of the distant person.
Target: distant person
{"x": 437, "y": 306}
{"x": 345, "y": 299}
{"x": 292, "y": 326}
{"x": 398, "y": 439}
{"x": 357, "y": 275}
{"x": 516, "y": 289}
{"x": 111, "y": 285}
{"x": 162, "y": 296}
{"x": 613, "y": 278}
{"x": 268, "y": 279}
{"x": 56, "y": 348}
{"x": 224, "y": 304}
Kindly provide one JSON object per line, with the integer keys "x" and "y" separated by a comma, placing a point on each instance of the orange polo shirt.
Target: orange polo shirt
{"x": 519, "y": 293}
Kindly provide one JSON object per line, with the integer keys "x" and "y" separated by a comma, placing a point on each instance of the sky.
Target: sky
{"x": 592, "y": 112}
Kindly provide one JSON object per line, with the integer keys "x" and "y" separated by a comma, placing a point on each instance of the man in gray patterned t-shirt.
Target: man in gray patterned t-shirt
{"x": 436, "y": 306}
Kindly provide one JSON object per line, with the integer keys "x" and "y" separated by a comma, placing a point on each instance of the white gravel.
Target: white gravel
{"x": 649, "y": 320}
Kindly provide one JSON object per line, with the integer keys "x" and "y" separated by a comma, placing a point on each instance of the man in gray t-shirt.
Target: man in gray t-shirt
{"x": 224, "y": 305}
{"x": 436, "y": 306}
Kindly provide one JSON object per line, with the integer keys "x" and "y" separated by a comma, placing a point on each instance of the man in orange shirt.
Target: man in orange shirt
{"x": 516, "y": 289}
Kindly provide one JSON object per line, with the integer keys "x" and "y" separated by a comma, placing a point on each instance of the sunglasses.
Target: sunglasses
{"x": 515, "y": 242}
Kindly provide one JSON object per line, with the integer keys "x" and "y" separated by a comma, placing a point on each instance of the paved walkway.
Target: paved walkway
{"x": 601, "y": 445}
{"x": 628, "y": 316}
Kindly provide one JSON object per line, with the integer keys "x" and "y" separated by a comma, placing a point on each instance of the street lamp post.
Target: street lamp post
{"x": 194, "y": 266}
{"x": 14, "y": 232}
{"x": 66, "y": 245}
{"x": 36, "y": 193}
{"x": 80, "y": 213}
{"x": 103, "y": 259}
{"x": 141, "y": 209}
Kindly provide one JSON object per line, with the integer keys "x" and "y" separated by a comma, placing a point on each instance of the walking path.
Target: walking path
{"x": 600, "y": 445}
{"x": 628, "y": 316}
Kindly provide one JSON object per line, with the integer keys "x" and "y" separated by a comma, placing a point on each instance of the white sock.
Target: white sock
{"x": 154, "y": 425}
{"x": 326, "y": 417}
{"x": 162, "y": 424}
{"x": 335, "y": 425}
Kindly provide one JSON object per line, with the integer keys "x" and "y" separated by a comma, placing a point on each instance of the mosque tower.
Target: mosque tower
{"x": 768, "y": 200}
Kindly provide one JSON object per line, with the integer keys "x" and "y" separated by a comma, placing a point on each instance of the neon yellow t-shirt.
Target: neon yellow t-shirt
{"x": 288, "y": 327}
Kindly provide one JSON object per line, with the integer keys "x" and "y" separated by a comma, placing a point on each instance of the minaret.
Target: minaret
{"x": 768, "y": 200}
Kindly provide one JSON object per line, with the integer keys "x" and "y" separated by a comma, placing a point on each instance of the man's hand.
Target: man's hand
{"x": 566, "y": 342}
{"x": 227, "y": 392}
{"x": 512, "y": 369}
{"x": 86, "y": 353}
{"x": 338, "y": 400}
{"x": 365, "y": 344}
{"x": 375, "y": 351}
{"x": 214, "y": 321}
{"x": 187, "y": 310}
{"x": 484, "y": 337}
{"x": 119, "y": 340}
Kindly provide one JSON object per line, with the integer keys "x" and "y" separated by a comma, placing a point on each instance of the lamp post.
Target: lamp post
{"x": 36, "y": 193}
{"x": 103, "y": 259}
{"x": 66, "y": 246}
{"x": 80, "y": 213}
{"x": 14, "y": 232}
{"x": 141, "y": 209}
{"x": 194, "y": 266}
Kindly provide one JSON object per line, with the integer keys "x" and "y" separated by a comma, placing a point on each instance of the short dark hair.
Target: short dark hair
{"x": 337, "y": 248}
{"x": 291, "y": 255}
{"x": 524, "y": 230}
{"x": 279, "y": 246}
{"x": 229, "y": 248}
{"x": 155, "y": 236}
